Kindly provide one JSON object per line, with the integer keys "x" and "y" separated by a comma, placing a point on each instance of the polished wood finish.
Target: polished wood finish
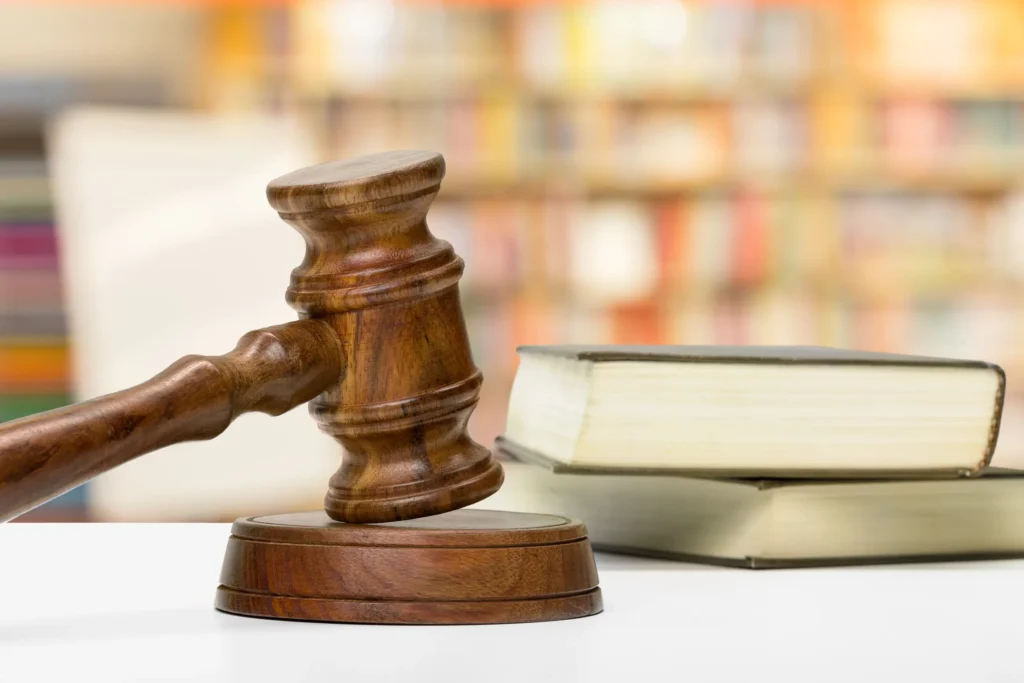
{"x": 271, "y": 371}
{"x": 383, "y": 343}
{"x": 464, "y": 567}
{"x": 389, "y": 288}
{"x": 382, "y": 353}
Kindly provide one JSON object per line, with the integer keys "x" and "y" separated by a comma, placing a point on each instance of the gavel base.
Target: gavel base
{"x": 463, "y": 567}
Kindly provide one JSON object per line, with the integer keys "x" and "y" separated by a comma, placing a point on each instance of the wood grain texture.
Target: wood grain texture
{"x": 463, "y": 567}
{"x": 389, "y": 289}
{"x": 382, "y": 353}
{"x": 270, "y": 370}
{"x": 383, "y": 347}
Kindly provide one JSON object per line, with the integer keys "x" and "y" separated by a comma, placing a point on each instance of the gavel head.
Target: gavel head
{"x": 389, "y": 289}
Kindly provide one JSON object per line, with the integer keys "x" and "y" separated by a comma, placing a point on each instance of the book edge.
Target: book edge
{"x": 760, "y": 563}
{"x": 996, "y": 419}
{"x": 760, "y": 478}
{"x": 609, "y": 354}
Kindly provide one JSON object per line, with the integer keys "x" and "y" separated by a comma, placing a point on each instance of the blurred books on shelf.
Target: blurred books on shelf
{"x": 697, "y": 172}
{"x": 624, "y": 171}
{"x": 34, "y": 368}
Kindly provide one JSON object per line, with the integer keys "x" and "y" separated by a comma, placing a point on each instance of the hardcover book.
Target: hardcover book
{"x": 776, "y": 412}
{"x": 771, "y": 523}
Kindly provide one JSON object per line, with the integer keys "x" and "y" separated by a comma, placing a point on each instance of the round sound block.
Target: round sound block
{"x": 462, "y": 567}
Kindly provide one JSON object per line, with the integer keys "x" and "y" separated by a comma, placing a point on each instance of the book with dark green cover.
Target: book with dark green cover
{"x": 773, "y": 523}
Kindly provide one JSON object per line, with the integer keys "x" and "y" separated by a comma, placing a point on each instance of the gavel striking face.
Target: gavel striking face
{"x": 380, "y": 350}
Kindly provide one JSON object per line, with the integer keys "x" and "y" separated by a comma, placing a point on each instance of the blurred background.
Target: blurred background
{"x": 624, "y": 171}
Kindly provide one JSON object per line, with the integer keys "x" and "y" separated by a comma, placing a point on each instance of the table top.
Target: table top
{"x": 78, "y": 603}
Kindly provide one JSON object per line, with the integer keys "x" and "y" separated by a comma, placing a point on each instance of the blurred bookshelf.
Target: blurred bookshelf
{"x": 33, "y": 345}
{"x": 848, "y": 174}
{"x": 35, "y": 363}
{"x": 658, "y": 171}
{"x": 36, "y": 372}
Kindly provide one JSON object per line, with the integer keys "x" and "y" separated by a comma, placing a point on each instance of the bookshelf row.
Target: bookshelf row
{"x": 629, "y": 46}
{"x": 869, "y": 247}
{"x": 507, "y": 140}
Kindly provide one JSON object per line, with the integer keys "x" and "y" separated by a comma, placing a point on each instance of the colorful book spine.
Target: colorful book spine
{"x": 34, "y": 362}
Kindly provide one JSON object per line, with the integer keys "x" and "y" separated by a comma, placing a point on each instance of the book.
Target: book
{"x": 767, "y": 523}
{"x": 778, "y": 411}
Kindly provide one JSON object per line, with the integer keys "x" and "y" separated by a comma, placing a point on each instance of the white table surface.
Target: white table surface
{"x": 133, "y": 602}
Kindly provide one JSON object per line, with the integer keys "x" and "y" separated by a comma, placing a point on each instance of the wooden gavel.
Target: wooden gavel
{"x": 380, "y": 349}
{"x": 382, "y": 353}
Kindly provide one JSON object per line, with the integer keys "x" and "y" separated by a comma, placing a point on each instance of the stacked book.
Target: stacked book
{"x": 764, "y": 456}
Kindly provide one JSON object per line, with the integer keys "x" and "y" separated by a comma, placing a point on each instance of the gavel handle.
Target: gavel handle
{"x": 272, "y": 370}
